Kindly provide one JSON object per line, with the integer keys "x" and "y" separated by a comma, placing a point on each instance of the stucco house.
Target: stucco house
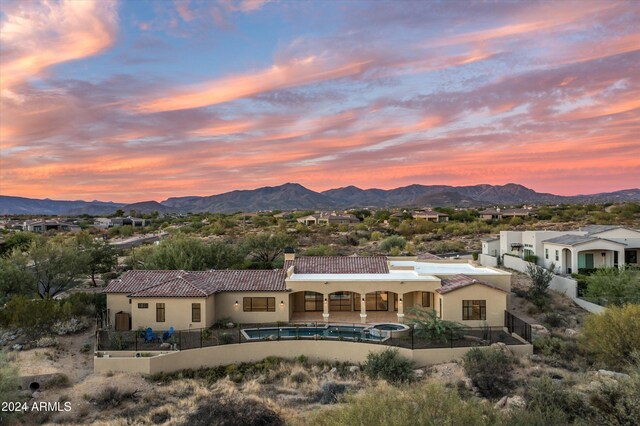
{"x": 430, "y": 215}
{"x": 589, "y": 247}
{"x": 323, "y": 288}
{"x": 498, "y": 213}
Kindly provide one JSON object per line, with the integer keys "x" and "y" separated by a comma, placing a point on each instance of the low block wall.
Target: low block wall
{"x": 564, "y": 285}
{"x": 513, "y": 262}
{"x": 489, "y": 261}
{"x": 253, "y": 352}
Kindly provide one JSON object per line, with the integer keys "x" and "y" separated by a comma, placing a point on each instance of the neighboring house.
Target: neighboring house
{"x": 491, "y": 246}
{"x": 498, "y": 213}
{"x": 349, "y": 288}
{"x": 112, "y": 222}
{"x": 570, "y": 251}
{"x": 328, "y": 219}
{"x": 49, "y": 225}
{"x": 430, "y": 215}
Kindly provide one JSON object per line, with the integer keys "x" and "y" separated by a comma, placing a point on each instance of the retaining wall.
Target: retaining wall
{"x": 252, "y": 352}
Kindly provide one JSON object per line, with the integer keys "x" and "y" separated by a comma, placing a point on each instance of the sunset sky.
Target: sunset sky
{"x": 139, "y": 100}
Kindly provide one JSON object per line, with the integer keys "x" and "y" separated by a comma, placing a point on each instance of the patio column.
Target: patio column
{"x": 621, "y": 261}
{"x": 574, "y": 261}
{"x": 325, "y": 313}
{"x": 363, "y": 308}
{"x": 400, "y": 297}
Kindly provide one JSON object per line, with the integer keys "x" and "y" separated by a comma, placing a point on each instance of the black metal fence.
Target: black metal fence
{"x": 408, "y": 337}
{"x": 517, "y": 325}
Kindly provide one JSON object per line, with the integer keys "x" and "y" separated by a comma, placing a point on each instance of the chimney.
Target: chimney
{"x": 289, "y": 253}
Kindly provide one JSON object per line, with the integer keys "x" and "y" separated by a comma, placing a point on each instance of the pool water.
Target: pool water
{"x": 392, "y": 327}
{"x": 332, "y": 332}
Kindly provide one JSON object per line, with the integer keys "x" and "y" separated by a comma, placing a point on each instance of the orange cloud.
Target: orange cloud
{"x": 37, "y": 36}
{"x": 297, "y": 72}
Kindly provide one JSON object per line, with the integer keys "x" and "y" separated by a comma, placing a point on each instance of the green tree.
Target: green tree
{"x": 15, "y": 278}
{"x": 540, "y": 280}
{"x": 393, "y": 241}
{"x": 18, "y": 241}
{"x": 56, "y": 265}
{"x": 429, "y": 326}
{"x": 614, "y": 286}
{"x": 613, "y": 336}
{"x": 102, "y": 256}
{"x": 265, "y": 248}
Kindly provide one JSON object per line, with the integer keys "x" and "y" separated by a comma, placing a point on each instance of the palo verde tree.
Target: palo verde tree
{"x": 101, "y": 256}
{"x": 265, "y": 248}
{"x": 56, "y": 265}
{"x": 540, "y": 280}
{"x": 615, "y": 286}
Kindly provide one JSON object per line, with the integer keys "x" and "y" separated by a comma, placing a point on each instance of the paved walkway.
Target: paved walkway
{"x": 348, "y": 317}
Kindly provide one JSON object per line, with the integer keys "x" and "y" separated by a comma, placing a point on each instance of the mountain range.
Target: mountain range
{"x": 293, "y": 196}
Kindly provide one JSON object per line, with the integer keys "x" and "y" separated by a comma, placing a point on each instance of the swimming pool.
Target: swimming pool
{"x": 375, "y": 332}
{"x": 322, "y": 332}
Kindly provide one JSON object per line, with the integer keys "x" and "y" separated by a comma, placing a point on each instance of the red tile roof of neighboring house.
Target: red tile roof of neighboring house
{"x": 195, "y": 283}
{"x": 341, "y": 265}
{"x": 459, "y": 281}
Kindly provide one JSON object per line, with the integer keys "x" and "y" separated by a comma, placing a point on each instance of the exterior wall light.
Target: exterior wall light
{"x": 325, "y": 300}
{"x": 236, "y": 304}
{"x": 400, "y": 301}
{"x": 282, "y": 303}
{"x": 363, "y": 299}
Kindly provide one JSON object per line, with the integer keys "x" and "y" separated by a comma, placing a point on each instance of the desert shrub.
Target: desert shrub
{"x": 490, "y": 370}
{"x": 617, "y": 402}
{"x": 225, "y": 338}
{"x": 330, "y": 392}
{"x": 9, "y": 386}
{"x": 612, "y": 336}
{"x": 540, "y": 280}
{"x": 389, "y": 365}
{"x": 111, "y": 396}
{"x": 553, "y": 320}
{"x": 547, "y": 396}
{"x": 429, "y": 326}
{"x": 614, "y": 286}
{"x": 34, "y": 315}
{"x": 86, "y": 348}
{"x": 85, "y": 304}
{"x": 58, "y": 380}
{"x": 555, "y": 346}
{"x": 376, "y": 235}
{"x": 160, "y": 417}
{"x": 426, "y": 404}
{"x": 394, "y": 241}
{"x": 233, "y": 411}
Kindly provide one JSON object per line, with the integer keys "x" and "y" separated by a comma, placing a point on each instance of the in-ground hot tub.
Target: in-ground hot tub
{"x": 388, "y": 329}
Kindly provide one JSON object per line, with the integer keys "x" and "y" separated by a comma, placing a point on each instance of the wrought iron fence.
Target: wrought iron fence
{"x": 408, "y": 337}
{"x": 517, "y": 325}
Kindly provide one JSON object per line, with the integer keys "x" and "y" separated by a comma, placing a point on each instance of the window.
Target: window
{"x": 557, "y": 255}
{"x": 340, "y": 301}
{"x": 195, "y": 312}
{"x": 546, "y": 253}
{"x": 159, "y": 312}
{"x": 129, "y": 301}
{"x": 312, "y": 301}
{"x": 259, "y": 304}
{"x": 377, "y": 301}
{"x": 426, "y": 299}
{"x": 143, "y": 305}
{"x": 474, "y": 309}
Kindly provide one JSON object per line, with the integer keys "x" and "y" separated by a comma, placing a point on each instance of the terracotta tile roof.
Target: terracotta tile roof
{"x": 196, "y": 283}
{"x": 174, "y": 287}
{"x": 132, "y": 281}
{"x": 459, "y": 281}
{"x": 341, "y": 265}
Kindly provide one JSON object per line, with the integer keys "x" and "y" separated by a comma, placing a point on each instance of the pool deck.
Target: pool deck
{"x": 345, "y": 317}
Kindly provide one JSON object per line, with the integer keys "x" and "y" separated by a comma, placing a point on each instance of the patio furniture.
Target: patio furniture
{"x": 167, "y": 334}
{"x": 150, "y": 336}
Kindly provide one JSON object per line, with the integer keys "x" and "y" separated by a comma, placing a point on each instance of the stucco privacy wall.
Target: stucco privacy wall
{"x": 117, "y": 303}
{"x": 490, "y": 261}
{"x": 253, "y": 352}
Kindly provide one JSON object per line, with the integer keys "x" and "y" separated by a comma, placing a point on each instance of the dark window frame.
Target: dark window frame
{"x": 143, "y": 306}
{"x": 248, "y": 304}
{"x": 196, "y": 308}
{"x": 161, "y": 312}
{"x": 313, "y": 301}
{"x": 426, "y": 294}
{"x": 474, "y": 310}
